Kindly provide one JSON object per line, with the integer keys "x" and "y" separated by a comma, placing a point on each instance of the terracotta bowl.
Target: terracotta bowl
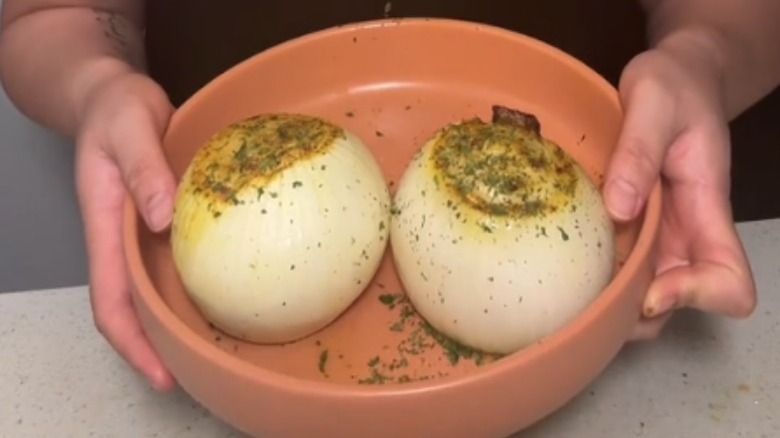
{"x": 393, "y": 83}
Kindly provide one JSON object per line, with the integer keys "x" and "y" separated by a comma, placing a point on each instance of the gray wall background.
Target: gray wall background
{"x": 41, "y": 240}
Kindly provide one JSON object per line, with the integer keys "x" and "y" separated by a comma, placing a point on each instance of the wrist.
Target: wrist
{"x": 89, "y": 77}
{"x": 702, "y": 52}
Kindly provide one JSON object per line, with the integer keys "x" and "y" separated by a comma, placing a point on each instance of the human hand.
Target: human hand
{"x": 675, "y": 127}
{"x": 118, "y": 147}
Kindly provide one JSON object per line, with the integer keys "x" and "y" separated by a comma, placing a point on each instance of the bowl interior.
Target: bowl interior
{"x": 393, "y": 84}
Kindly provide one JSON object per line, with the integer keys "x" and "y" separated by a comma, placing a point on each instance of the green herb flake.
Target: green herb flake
{"x": 323, "y": 362}
{"x": 417, "y": 339}
{"x": 376, "y": 378}
{"x": 390, "y": 300}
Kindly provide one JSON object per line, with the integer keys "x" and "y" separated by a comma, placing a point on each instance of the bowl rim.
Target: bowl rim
{"x": 145, "y": 288}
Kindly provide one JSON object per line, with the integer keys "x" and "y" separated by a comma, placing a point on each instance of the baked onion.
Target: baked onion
{"x": 499, "y": 236}
{"x": 280, "y": 222}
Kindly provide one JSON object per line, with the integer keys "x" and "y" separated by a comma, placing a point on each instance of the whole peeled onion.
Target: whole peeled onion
{"x": 500, "y": 238}
{"x": 280, "y": 222}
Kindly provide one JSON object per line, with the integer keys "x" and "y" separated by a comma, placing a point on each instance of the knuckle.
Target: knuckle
{"x": 743, "y": 300}
{"x": 645, "y": 336}
{"x": 647, "y": 330}
{"x": 101, "y": 323}
{"x": 639, "y": 159}
{"x": 744, "y": 306}
{"x": 138, "y": 175}
{"x": 100, "y": 317}
{"x": 654, "y": 333}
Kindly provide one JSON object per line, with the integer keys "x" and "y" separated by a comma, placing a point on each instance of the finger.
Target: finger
{"x": 136, "y": 148}
{"x": 707, "y": 286}
{"x": 648, "y": 130}
{"x": 716, "y": 278}
{"x": 101, "y": 195}
{"x": 650, "y": 328}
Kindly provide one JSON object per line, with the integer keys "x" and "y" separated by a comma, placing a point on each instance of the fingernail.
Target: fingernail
{"x": 622, "y": 200}
{"x": 158, "y": 211}
{"x": 658, "y": 305}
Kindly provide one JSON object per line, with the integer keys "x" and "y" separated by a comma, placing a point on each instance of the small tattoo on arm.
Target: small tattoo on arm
{"x": 116, "y": 30}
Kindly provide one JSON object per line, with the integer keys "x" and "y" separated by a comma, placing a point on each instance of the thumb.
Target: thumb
{"x": 706, "y": 286}
{"x": 649, "y": 128}
{"x": 136, "y": 145}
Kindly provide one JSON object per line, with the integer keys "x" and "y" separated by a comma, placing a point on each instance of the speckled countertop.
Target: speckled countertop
{"x": 706, "y": 377}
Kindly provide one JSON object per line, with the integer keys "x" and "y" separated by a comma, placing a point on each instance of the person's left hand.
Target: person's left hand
{"x": 118, "y": 154}
{"x": 675, "y": 128}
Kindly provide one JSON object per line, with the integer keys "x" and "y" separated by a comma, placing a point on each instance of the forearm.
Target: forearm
{"x": 738, "y": 39}
{"x": 52, "y": 58}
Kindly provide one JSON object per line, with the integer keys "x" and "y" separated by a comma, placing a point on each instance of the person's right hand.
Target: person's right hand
{"x": 118, "y": 152}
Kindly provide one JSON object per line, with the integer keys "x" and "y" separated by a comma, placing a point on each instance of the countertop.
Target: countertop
{"x": 706, "y": 376}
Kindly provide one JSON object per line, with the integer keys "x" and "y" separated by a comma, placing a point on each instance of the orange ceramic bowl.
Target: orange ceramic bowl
{"x": 393, "y": 83}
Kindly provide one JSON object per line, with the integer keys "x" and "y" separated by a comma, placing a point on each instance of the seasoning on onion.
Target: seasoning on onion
{"x": 281, "y": 221}
{"x": 499, "y": 236}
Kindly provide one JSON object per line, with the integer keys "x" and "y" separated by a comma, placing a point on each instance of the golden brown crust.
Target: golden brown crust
{"x": 248, "y": 154}
{"x": 504, "y": 168}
